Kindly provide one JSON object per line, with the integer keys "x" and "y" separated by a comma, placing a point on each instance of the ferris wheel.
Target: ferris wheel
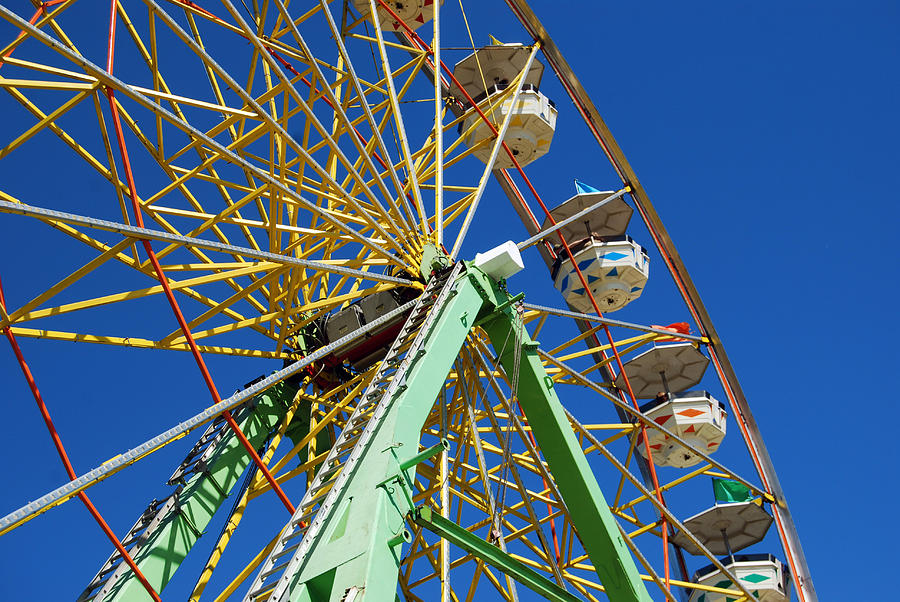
{"x": 301, "y": 188}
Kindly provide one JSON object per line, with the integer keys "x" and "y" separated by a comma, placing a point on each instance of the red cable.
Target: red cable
{"x": 32, "y": 20}
{"x": 425, "y": 46}
{"x": 57, "y": 442}
{"x": 305, "y": 80}
{"x": 356, "y": 131}
{"x": 589, "y": 122}
{"x": 645, "y": 438}
{"x": 170, "y": 297}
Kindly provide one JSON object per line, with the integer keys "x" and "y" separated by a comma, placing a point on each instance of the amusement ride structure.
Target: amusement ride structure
{"x": 297, "y": 180}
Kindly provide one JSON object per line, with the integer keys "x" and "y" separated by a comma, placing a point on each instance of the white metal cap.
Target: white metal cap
{"x": 500, "y": 262}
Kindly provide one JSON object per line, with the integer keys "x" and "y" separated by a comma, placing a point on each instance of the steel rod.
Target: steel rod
{"x": 544, "y": 233}
{"x": 64, "y": 492}
{"x": 411, "y": 175}
{"x": 637, "y": 416}
{"x": 664, "y": 512}
{"x": 111, "y": 81}
{"x": 438, "y": 143}
{"x": 67, "y": 464}
{"x": 610, "y": 322}
{"x": 490, "y": 554}
{"x": 269, "y": 57}
{"x": 149, "y": 234}
{"x": 370, "y": 117}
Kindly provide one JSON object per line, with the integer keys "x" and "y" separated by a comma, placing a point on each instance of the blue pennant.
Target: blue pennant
{"x": 581, "y": 188}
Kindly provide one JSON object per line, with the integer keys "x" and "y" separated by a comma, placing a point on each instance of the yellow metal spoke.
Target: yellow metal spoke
{"x": 139, "y": 343}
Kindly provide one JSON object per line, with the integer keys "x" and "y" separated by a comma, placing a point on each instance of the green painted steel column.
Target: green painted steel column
{"x": 360, "y": 544}
{"x": 593, "y": 521}
{"x": 166, "y": 548}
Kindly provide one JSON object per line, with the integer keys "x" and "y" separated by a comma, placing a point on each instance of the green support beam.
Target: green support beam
{"x": 203, "y": 493}
{"x": 587, "y": 508}
{"x": 491, "y": 555}
{"x": 360, "y": 545}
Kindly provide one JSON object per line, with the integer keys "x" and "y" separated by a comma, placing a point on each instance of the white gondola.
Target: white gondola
{"x": 413, "y": 12}
{"x": 609, "y": 219}
{"x": 484, "y": 75}
{"x": 669, "y": 367}
{"x": 763, "y": 575}
{"x": 616, "y": 270}
{"x": 695, "y": 416}
{"x": 725, "y": 528}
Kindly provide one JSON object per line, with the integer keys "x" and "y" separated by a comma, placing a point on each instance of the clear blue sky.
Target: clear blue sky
{"x": 766, "y": 135}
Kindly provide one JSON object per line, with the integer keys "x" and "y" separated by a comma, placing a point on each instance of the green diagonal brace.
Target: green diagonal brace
{"x": 490, "y": 554}
{"x": 590, "y": 515}
{"x": 162, "y": 554}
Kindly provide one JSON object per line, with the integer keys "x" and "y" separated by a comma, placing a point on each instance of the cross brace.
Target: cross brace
{"x": 490, "y": 554}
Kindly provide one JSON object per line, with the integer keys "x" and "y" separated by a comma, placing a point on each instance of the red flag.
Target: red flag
{"x": 676, "y": 327}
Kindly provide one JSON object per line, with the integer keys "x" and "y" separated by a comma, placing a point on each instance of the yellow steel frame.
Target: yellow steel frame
{"x": 289, "y": 175}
